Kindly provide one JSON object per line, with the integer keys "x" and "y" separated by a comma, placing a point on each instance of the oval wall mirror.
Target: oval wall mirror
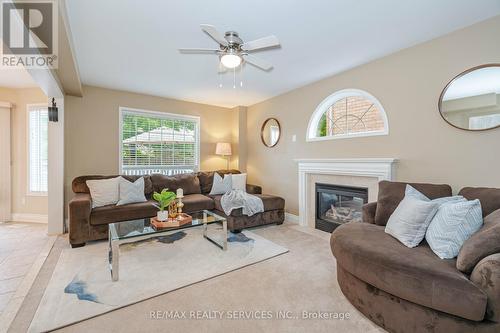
{"x": 270, "y": 132}
{"x": 471, "y": 101}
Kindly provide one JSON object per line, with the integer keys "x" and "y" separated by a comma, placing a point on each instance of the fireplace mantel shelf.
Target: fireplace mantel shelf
{"x": 380, "y": 168}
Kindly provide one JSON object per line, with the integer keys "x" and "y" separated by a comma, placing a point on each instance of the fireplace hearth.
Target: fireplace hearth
{"x": 336, "y": 205}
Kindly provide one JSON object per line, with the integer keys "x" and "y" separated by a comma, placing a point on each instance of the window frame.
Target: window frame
{"x": 29, "y": 192}
{"x": 125, "y": 109}
{"x": 312, "y": 127}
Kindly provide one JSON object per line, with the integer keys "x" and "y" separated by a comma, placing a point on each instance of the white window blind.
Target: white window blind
{"x": 155, "y": 142}
{"x": 38, "y": 149}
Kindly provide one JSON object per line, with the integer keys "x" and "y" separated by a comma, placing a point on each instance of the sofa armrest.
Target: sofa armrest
{"x": 79, "y": 211}
{"x": 369, "y": 212}
{"x": 486, "y": 275}
{"x": 254, "y": 189}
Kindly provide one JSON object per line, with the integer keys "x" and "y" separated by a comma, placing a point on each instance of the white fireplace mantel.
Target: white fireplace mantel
{"x": 380, "y": 168}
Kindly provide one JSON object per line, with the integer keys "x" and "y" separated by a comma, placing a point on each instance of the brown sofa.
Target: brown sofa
{"x": 410, "y": 289}
{"x": 86, "y": 224}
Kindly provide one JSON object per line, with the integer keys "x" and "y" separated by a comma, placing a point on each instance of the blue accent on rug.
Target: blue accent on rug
{"x": 79, "y": 288}
{"x": 239, "y": 237}
{"x": 169, "y": 239}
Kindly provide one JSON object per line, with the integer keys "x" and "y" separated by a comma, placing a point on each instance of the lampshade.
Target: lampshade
{"x": 223, "y": 148}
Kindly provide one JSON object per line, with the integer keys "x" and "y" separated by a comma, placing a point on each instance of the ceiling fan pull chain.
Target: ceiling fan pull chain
{"x": 241, "y": 75}
{"x": 234, "y": 78}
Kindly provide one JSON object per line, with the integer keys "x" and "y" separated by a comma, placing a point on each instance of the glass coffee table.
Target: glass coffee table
{"x": 137, "y": 230}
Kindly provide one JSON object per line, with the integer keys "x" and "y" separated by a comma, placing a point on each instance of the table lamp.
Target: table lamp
{"x": 224, "y": 149}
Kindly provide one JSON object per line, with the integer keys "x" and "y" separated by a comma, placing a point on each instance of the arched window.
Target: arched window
{"x": 346, "y": 114}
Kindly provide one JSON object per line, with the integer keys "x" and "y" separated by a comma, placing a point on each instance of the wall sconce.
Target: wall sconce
{"x": 53, "y": 115}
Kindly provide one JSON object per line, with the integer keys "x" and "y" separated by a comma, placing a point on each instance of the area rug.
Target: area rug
{"x": 81, "y": 286}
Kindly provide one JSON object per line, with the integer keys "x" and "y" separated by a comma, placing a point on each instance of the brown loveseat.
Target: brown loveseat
{"x": 86, "y": 224}
{"x": 410, "y": 289}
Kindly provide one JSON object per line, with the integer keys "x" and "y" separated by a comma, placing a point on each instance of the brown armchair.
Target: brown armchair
{"x": 410, "y": 289}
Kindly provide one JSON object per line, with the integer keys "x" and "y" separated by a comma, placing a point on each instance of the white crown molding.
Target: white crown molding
{"x": 31, "y": 218}
{"x": 380, "y": 168}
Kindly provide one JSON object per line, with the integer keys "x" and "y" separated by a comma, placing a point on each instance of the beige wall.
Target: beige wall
{"x": 408, "y": 85}
{"x": 239, "y": 138}
{"x": 92, "y": 130}
{"x": 21, "y": 202}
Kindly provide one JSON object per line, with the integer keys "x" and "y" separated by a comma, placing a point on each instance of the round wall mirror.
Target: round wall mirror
{"x": 471, "y": 101}
{"x": 270, "y": 132}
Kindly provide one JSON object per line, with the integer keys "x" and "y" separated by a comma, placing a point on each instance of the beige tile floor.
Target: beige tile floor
{"x": 23, "y": 249}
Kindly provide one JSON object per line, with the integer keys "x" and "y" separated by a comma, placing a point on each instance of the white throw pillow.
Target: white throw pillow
{"x": 104, "y": 191}
{"x": 131, "y": 192}
{"x": 221, "y": 186}
{"x": 412, "y": 217}
{"x": 452, "y": 225}
{"x": 239, "y": 181}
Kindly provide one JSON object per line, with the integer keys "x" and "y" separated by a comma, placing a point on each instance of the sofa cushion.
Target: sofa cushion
{"x": 79, "y": 184}
{"x": 271, "y": 202}
{"x": 196, "y": 202}
{"x": 207, "y": 178}
{"x": 489, "y": 197}
{"x": 112, "y": 213}
{"x": 390, "y": 195}
{"x": 189, "y": 183}
{"x": 480, "y": 245}
{"x": 415, "y": 274}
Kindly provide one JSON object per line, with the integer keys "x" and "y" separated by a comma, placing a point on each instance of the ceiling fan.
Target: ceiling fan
{"x": 233, "y": 51}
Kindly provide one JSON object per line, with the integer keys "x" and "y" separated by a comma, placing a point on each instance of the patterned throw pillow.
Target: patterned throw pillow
{"x": 131, "y": 192}
{"x": 453, "y": 224}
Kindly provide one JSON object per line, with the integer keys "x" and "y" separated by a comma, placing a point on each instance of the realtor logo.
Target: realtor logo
{"x": 29, "y": 33}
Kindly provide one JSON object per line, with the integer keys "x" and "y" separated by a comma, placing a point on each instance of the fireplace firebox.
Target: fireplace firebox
{"x": 336, "y": 205}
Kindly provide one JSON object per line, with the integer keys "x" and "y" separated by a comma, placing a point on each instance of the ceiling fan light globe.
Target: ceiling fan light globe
{"x": 230, "y": 60}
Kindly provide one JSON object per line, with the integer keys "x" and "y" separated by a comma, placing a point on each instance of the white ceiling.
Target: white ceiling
{"x": 132, "y": 45}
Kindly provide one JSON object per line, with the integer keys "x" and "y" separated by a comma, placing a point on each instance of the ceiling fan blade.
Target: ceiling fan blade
{"x": 200, "y": 51}
{"x": 212, "y": 32}
{"x": 261, "y": 43}
{"x": 258, "y": 62}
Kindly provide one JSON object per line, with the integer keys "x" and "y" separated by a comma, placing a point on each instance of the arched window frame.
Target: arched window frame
{"x": 312, "y": 128}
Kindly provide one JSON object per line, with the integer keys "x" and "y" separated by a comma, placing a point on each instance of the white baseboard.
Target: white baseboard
{"x": 291, "y": 218}
{"x": 32, "y": 218}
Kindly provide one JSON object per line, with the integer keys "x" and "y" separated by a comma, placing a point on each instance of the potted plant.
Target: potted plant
{"x": 164, "y": 198}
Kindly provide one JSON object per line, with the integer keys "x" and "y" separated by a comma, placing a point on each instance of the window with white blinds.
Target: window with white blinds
{"x": 157, "y": 142}
{"x": 37, "y": 150}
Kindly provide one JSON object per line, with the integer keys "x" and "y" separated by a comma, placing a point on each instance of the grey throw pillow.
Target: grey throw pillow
{"x": 104, "y": 191}
{"x": 221, "y": 186}
{"x": 411, "y": 218}
{"x": 131, "y": 192}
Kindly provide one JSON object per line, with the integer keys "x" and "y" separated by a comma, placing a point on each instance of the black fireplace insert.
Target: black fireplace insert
{"x": 336, "y": 205}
